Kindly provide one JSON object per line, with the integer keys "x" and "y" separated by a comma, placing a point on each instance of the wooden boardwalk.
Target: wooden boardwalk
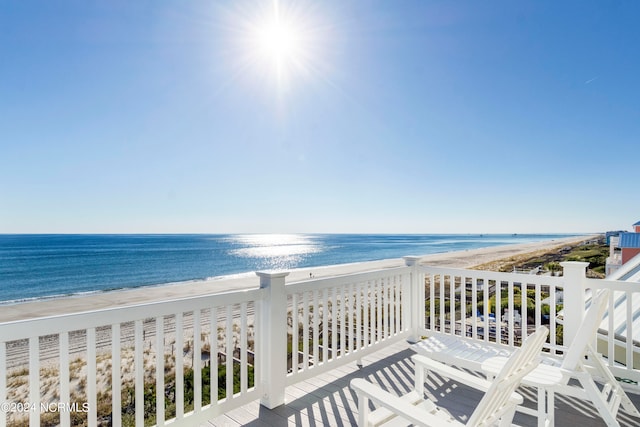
{"x": 327, "y": 400}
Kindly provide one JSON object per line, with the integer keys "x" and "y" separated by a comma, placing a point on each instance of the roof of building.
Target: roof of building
{"x": 637, "y": 223}
{"x": 629, "y": 240}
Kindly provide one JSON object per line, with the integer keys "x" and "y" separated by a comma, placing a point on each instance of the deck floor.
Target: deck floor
{"x": 327, "y": 400}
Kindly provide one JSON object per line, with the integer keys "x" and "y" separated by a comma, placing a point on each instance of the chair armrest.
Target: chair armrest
{"x": 457, "y": 375}
{"x": 395, "y": 404}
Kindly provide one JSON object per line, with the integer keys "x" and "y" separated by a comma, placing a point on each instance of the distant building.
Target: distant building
{"x": 622, "y": 247}
{"x": 609, "y": 234}
{"x": 629, "y": 245}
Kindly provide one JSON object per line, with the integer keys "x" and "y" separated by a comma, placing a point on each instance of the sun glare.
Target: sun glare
{"x": 284, "y": 40}
{"x": 279, "y": 41}
{"x": 278, "y": 44}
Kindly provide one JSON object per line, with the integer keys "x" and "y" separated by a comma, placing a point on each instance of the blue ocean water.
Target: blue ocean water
{"x": 39, "y": 266}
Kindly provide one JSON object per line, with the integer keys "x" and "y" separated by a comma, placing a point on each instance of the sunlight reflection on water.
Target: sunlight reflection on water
{"x": 277, "y": 251}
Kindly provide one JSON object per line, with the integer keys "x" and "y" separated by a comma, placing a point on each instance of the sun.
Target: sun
{"x": 277, "y": 44}
{"x": 279, "y": 41}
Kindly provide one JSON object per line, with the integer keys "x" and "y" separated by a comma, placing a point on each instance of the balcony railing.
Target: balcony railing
{"x": 193, "y": 359}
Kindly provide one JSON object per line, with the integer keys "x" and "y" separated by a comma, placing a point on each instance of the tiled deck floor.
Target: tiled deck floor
{"x": 327, "y": 400}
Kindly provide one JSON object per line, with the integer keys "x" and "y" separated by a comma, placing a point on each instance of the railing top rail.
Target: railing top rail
{"x": 346, "y": 279}
{"x": 20, "y": 329}
{"x": 492, "y": 275}
{"x": 615, "y": 285}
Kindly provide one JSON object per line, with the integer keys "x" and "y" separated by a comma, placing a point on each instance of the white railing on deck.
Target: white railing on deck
{"x": 278, "y": 334}
{"x": 617, "y": 330}
{"x": 463, "y": 302}
{"x": 337, "y": 320}
{"x": 69, "y": 356}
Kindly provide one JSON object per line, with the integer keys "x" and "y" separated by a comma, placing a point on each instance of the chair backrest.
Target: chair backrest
{"x": 495, "y": 403}
{"x": 587, "y": 330}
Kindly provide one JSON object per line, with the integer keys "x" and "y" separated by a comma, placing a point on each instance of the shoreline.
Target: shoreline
{"x": 162, "y": 292}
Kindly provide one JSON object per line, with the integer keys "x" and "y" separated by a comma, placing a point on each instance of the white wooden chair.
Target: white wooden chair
{"x": 496, "y": 407}
{"x": 552, "y": 376}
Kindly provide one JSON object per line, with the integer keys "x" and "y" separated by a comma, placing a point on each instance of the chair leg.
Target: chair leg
{"x": 363, "y": 410}
{"x": 507, "y": 418}
{"x": 598, "y": 400}
{"x": 542, "y": 410}
{"x": 551, "y": 408}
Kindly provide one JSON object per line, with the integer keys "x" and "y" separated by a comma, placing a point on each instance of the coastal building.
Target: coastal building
{"x": 623, "y": 246}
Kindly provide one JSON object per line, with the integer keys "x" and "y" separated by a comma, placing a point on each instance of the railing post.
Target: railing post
{"x": 574, "y": 273}
{"x": 273, "y": 330}
{"x": 413, "y": 303}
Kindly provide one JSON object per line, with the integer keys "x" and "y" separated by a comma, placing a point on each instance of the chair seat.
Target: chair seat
{"x": 543, "y": 375}
{"x": 459, "y": 351}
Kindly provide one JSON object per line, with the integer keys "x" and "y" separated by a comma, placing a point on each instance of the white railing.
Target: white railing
{"x": 107, "y": 366}
{"x": 463, "y": 302}
{"x": 328, "y": 322}
{"x": 502, "y": 308}
{"x": 620, "y": 328}
{"x": 120, "y": 365}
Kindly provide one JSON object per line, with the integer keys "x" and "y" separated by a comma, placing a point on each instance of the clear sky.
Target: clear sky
{"x": 346, "y": 116}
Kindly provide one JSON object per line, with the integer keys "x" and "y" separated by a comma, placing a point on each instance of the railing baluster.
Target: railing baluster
{"x": 305, "y": 330}
{"x": 474, "y": 308}
{"x": 629, "y": 341}
{"x": 92, "y": 400}
{"x": 365, "y": 315}
{"x": 179, "y": 392}
{"x": 358, "y": 308}
{"x": 229, "y": 352}
{"x": 385, "y": 308}
{"x": 511, "y": 306}
{"x": 379, "y": 307}
{"x": 343, "y": 341}
{"x": 197, "y": 361}
{"x": 160, "y": 371}
{"x": 398, "y": 302}
{"x": 334, "y": 323}
{"x": 524, "y": 331}
{"x": 432, "y": 302}
{"x": 295, "y": 332}
{"x": 611, "y": 339}
{"x": 538, "y": 305}
{"x": 452, "y": 304}
{"x": 65, "y": 416}
{"x": 552, "y": 318}
{"x": 34, "y": 380}
{"x": 350, "y": 311}
{"x": 442, "y": 304}
{"x": 116, "y": 381}
{"x": 213, "y": 355}
{"x": 463, "y": 305}
{"x": 243, "y": 349}
{"x": 325, "y": 325}
{"x": 139, "y": 371}
{"x": 498, "y": 311}
{"x": 315, "y": 347}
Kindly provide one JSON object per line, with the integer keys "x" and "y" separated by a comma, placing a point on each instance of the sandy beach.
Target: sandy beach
{"x": 74, "y": 304}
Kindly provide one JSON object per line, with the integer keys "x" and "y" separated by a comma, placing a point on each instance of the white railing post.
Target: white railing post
{"x": 574, "y": 273}
{"x": 273, "y": 330}
{"x": 412, "y": 305}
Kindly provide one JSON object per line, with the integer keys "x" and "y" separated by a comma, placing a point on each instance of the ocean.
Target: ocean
{"x": 45, "y": 266}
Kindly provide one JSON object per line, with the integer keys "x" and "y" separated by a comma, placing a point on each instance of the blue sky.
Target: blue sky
{"x": 392, "y": 117}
